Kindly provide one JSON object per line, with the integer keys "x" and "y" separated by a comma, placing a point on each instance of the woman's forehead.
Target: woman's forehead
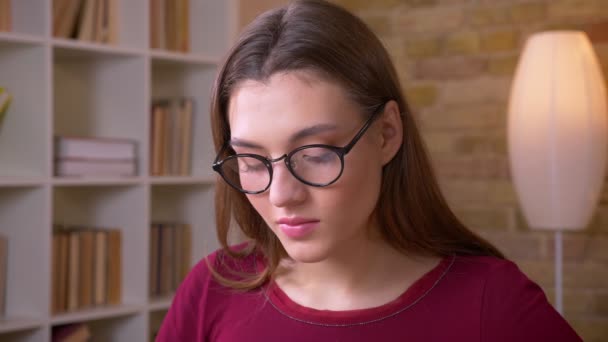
{"x": 287, "y": 108}
{"x": 287, "y": 98}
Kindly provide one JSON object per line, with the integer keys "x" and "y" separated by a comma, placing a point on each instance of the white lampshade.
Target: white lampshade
{"x": 557, "y": 130}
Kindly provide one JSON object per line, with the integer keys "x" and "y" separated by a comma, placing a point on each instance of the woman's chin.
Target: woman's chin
{"x": 305, "y": 252}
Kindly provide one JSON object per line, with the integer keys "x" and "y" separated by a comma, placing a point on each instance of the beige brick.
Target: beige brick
{"x": 476, "y": 117}
{"x": 440, "y": 143}
{"x": 380, "y": 24}
{"x": 517, "y": 246}
{"x": 362, "y": 5}
{"x": 423, "y": 47}
{"x": 492, "y": 144}
{"x": 541, "y": 272}
{"x": 599, "y": 220}
{"x": 577, "y": 10}
{"x": 449, "y": 68}
{"x": 488, "y": 16}
{"x": 503, "y": 66}
{"x": 421, "y": 95}
{"x": 478, "y": 192}
{"x": 575, "y": 246}
{"x": 419, "y": 3}
{"x": 439, "y": 19}
{"x": 598, "y": 248}
{"x": 404, "y": 69}
{"x": 600, "y": 303}
{"x": 588, "y": 275}
{"x": 472, "y": 167}
{"x": 577, "y": 302}
{"x": 590, "y": 329}
{"x": 485, "y": 217}
{"x": 464, "y": 43}
{"x": 527, "y": 12}
{"x": 480, "y": 90}
{"x": 499, "y": 41}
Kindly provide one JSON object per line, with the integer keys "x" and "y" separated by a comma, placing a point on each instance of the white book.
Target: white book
{"x": 94, "y": 168}
{"x": 94, "y": 148}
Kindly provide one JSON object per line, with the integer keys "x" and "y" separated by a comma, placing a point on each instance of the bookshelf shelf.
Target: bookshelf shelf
{"x": 16, "y": 324}
{"x": 67, "y": 181}
{"x": 160, "y": 304}
{"x": 97, "y": 314}
{"x": 19, "y": 182}
{"x": 7, "y": 38}
{"x": 68, "y": 87}
{"x": 168, "y": 180}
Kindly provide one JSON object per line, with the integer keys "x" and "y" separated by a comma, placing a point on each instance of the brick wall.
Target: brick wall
{"x": 456, "y": 59}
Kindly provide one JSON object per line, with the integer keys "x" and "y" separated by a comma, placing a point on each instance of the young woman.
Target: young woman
{"x": 350, "y": 239}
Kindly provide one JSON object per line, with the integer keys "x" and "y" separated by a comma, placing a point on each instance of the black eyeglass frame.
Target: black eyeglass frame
{"x": 340, "y": 151}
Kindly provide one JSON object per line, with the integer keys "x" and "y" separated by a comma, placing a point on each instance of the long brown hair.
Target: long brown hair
{"x": 317, "y": 36}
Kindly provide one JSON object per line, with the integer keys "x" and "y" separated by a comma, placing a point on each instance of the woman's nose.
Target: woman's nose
{"x": 285, "y": 190}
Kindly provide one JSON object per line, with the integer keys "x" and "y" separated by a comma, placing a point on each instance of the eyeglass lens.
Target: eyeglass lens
{"x": 312, "y": 165}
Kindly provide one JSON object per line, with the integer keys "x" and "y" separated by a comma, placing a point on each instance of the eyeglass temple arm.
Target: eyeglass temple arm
{"x": 368, "y": 123}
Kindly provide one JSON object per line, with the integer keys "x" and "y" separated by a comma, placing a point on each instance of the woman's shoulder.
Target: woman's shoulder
{"x": 513, "y": 307}
{"x": 485, "y": 268}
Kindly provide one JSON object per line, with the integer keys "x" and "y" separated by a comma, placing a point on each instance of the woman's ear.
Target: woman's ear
{"x": 391, "y": 131}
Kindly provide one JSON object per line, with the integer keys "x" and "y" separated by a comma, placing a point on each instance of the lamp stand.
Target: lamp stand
{"x": 559, "y": 306}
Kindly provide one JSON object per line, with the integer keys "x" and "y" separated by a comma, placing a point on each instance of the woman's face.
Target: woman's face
{"x": 294, "y": 109}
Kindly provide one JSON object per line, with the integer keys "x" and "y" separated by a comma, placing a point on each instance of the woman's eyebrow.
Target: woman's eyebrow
{"x": 301, "y": 134}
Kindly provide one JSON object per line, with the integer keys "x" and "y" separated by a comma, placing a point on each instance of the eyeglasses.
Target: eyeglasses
{"x": 316, "y": 165}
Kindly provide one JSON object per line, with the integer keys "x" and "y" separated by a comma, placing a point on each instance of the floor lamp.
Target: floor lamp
{"x": 557, "y": 131}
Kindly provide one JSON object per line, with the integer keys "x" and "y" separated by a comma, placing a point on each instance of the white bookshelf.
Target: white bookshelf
{"x": 69, "y": 87}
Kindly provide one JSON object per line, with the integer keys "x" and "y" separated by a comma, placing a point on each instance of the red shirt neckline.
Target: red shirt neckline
{"x": 407, "y": 299}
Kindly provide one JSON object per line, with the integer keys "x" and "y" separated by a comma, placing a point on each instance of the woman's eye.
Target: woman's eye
{"x": 252, "y": 167}
{"x": 319, "y": 158}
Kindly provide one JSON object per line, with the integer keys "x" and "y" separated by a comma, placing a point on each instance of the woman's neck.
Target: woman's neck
{"x": 363, "y": 274}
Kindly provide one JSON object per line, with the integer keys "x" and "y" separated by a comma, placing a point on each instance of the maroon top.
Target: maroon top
{"x": 463, "y": 298}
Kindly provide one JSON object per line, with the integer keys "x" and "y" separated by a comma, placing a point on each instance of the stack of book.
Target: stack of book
{"x": 105, "y": 157}
{"x": 170, "y": 254}
{"x": 90, "y": 20}
{"x": 6, "y": 20}
{"x": 171, "y": 137}
{"x": 87, "y": 269}
{"x": 170, "y": 25}
{"x": 3, "y": 273}
{"x": 76, "y": 332}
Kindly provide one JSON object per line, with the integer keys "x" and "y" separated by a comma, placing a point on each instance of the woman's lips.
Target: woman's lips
{"x": 297, "y": 227}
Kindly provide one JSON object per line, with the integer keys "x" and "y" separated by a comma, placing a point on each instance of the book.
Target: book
{"x": 66, "y": 15}
{"x": 100, "y": 268}
{"x": 112, "y": 22}
{"x": 171, "y": 137}
{"x": 185, "y": 129}
{"x": 62, "y": 272}
{"x": 114, "y": 270}
{"x": 94, "y": 148}
{"x": 86, "y": 25}
{"x": 94, "y": 168}
{"x": 5, "y": 102}
{"x": 73, "y": 272}
{"x": 6, "y": 21}
{"x": 154, "y": 261}
{"x": 85, "y": 269}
